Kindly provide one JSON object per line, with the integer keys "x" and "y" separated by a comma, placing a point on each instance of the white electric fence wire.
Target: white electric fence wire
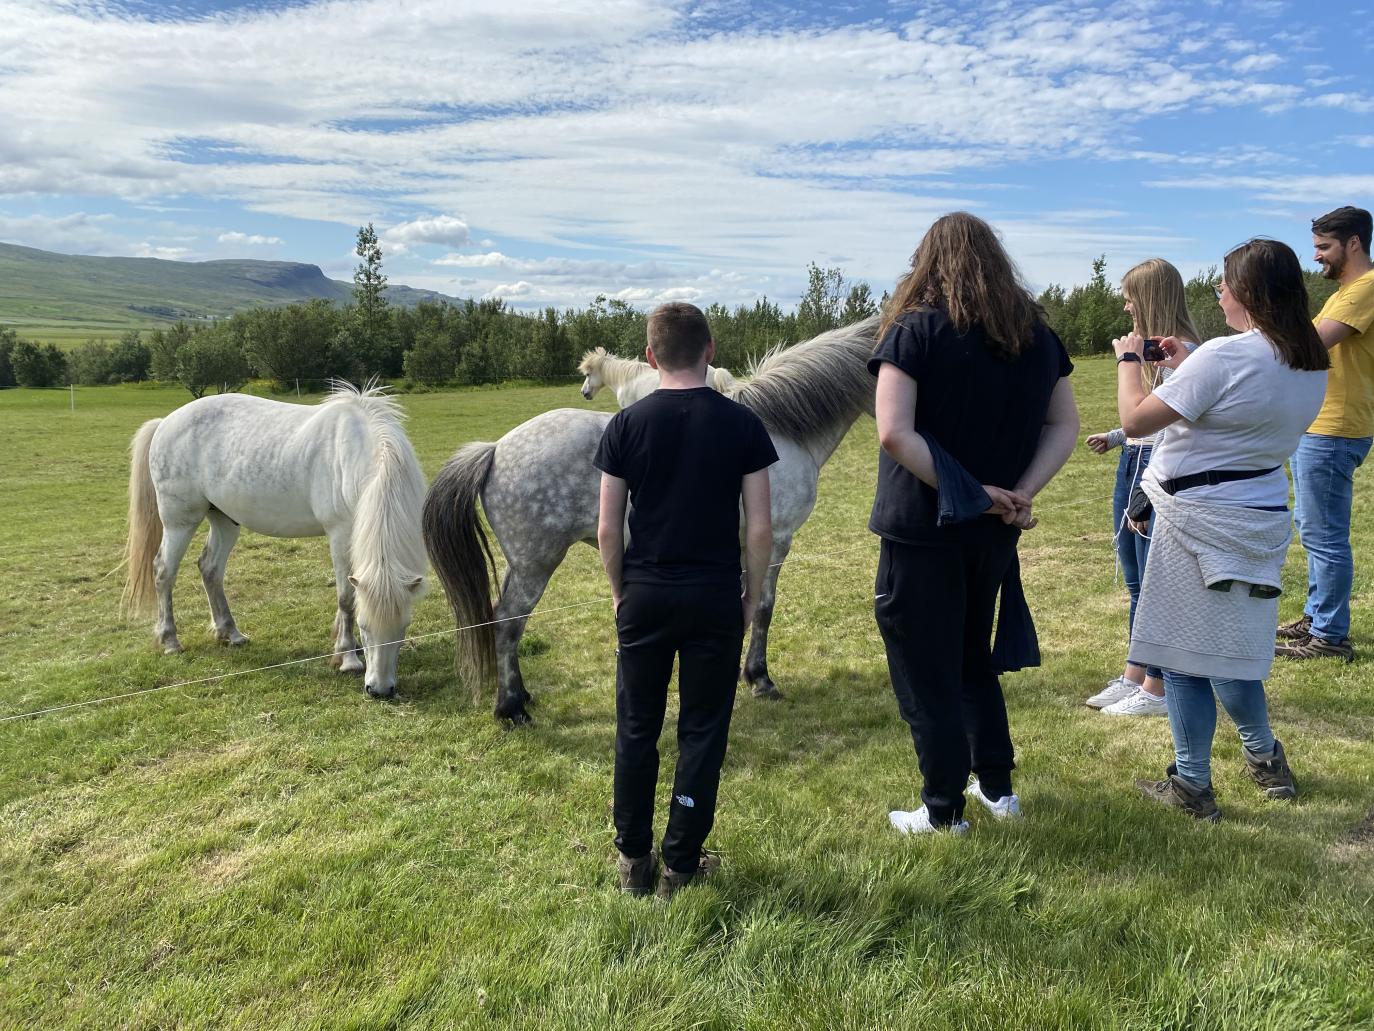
{"x": 867, "y": 545}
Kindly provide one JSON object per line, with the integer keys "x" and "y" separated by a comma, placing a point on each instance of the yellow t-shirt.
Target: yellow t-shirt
{"x": 1349, "y": 407}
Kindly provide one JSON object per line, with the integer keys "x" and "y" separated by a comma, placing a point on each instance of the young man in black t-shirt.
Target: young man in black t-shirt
{"x": 683, "y": 457}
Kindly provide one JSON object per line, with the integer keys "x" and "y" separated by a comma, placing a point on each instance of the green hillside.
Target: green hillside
{"x": 71, "y": 296}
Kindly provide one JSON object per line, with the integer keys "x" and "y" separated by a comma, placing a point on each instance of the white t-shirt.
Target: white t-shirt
{"x": 1242, "y": 408}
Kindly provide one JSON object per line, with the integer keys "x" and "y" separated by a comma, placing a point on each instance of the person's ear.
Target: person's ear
{"x": 710, "y": 351}
{"x": 649, "y": 356}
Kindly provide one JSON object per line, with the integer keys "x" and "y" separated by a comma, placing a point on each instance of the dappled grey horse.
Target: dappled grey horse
{"x": 540, "y": 492}
{"x": 342, "y": 469}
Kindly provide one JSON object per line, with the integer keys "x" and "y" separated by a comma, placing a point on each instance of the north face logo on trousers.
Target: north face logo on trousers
{"x": 686, "y": 801}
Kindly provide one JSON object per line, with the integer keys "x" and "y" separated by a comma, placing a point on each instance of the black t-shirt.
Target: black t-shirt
{"x": 986, "y": 411}
{"x": 683, "y": 454}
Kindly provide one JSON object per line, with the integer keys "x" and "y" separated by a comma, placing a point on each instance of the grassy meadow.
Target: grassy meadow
{"x": 277, "y": 850}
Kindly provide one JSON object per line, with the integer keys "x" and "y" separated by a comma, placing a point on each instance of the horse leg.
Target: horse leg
{"x": 346, "y": 657}
{"x": 520, "y": 593}
{"x": 756, "y": 661}
{"x": 175, "y": 541}
{"x": 224, "y": 532}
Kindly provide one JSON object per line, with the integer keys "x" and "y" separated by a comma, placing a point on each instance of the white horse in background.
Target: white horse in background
{"x": 632, "y": 380}
{"x": 341, "y": 469}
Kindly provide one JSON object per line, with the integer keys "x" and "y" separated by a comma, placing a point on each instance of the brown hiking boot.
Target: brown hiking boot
{"x": 1312, "y": 647}
{"x": 636, "y": 875}
{"x": 1199, "y": 803}
{"x": 1296, "y": 630}
{"x": 1273, "y": 774}
{"x": 670, "y": 880}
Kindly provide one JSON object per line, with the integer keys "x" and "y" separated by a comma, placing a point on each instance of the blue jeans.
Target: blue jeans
{"x": 1131, "y": 547}
{"x": 1193, "y": 719}
{"x": 1323, "y": 488}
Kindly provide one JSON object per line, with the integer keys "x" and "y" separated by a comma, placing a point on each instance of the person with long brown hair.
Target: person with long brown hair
{"x": 975, "y": 415}
{"x": 1154, "y": 296}
{"x": 1230, "y": 417}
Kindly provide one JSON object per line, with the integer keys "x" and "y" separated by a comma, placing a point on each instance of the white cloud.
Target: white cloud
{"x": 1280, "y": 188}
{"x": 1353, "y": 103}
{"x": 441, "y": 229}
{"x": 151, "y": 250}
{"x": 616, "y": 127}
{"x": 1257, "y": 63}
{"x": 249, "y": 239}
{"x": 515, "y": 291}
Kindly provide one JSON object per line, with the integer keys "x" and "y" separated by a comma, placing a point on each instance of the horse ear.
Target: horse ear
{"x": 353, "y": 581}
{"x": 415, "y": 585}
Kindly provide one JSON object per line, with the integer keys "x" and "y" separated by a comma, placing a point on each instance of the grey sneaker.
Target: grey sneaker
{"x": 1296, "y": 630}
{"x": 670, "y": 880}
{"x": 1199, "y": 803}
{"x": 636, "y": 875}
{"x": 1114, "y": 691}
{"x": 1273, "y": 775}
{"x": 1313, "y": 647}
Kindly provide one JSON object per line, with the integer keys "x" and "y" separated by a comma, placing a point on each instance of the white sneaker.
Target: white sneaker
{"x": 1008, "y": 807}
{"x": 1142, "y": 703}
{"x": 919, "y": 823}
{"x": 1114, "y": 691}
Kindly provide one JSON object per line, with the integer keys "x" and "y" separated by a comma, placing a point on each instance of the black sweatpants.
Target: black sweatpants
{"x": 703, "y": 626}
{"x": 934, "y": 605}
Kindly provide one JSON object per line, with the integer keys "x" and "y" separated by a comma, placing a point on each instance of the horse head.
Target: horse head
{"x": 384, "y": 602}
{"x": 591, "y": 367}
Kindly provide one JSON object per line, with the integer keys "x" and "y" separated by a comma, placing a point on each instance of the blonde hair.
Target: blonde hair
{"x": 1159, "y": 307}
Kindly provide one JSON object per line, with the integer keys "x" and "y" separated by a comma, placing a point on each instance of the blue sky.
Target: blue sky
{"x": 546, "y": 152}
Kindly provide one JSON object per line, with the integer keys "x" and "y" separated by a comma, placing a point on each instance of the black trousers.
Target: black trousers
{"x": 703, "y": 626}
{"x": 934, "y": 606}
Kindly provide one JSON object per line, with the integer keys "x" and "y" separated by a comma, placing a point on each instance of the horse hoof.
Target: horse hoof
{"x": 351, "y": 664}
{"x": 172, "y": 649}
{"x": 236, "y": 640}
{"x": 766, "y": 690}
{"x": 518, "y": 718}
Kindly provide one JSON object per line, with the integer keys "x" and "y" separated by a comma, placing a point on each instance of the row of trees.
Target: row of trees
{"x": 434, "y": 343}
{"x": 474, "y": 342}
{"x": 1090, "y": 315}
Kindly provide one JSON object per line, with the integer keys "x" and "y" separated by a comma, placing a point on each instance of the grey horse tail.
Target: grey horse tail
{"x": 461, "y": 556}
{"x": 145, "y": 526}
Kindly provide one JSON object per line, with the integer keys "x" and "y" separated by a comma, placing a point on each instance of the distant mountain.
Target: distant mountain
{"x": 43, "y": 287}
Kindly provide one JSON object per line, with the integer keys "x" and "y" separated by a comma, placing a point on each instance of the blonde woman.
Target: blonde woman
{"x": 1155, "y": 301}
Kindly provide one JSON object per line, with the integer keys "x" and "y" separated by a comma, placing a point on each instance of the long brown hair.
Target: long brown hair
{"x": 1264, "y": 276}
{"x": 960, "y": 266}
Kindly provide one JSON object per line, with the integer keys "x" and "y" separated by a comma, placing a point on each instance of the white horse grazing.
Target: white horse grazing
{"x": 342, "y": 469}
{"x": 632, "y": 379}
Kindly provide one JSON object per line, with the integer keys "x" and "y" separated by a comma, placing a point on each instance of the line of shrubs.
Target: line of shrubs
{"x": 438, "y": 343}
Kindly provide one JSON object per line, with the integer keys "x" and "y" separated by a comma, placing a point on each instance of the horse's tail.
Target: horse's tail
{"x": 462, "y": 560}
{"x": 145, "y": 525}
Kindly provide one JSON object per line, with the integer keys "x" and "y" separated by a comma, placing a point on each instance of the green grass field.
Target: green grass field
{"x": 68, "y": 335}
{"x": 276, "y": 850}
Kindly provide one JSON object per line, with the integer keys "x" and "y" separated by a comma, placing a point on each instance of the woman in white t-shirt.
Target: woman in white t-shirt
{"x": 1230, "y": 417}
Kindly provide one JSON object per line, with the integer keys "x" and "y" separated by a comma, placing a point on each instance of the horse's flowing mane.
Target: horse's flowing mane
{"x": 614, "y": 371}
{"x": 387, "y": 548}
{"x": 806, "y": 391}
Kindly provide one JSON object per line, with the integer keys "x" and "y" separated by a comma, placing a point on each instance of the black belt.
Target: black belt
{"x": 1211, "y": 478}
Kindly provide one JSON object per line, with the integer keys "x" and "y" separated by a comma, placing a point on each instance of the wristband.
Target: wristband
{"x": 1129, "y": 356}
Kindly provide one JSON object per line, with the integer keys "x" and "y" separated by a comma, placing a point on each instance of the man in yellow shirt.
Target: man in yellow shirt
{"x": 1337, "y": 441}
